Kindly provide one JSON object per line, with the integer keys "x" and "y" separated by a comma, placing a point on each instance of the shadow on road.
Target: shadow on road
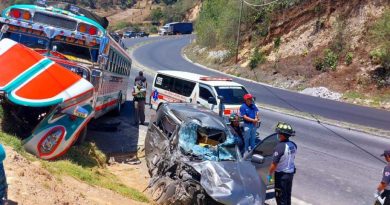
{"x": 117, "y": 136}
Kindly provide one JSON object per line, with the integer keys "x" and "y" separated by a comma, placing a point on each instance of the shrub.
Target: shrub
{"x": 257, "y": 58}
{"x": 380, "y": 33}
{"x": 277, "y": 42}
{"x": 156, "y": 15}
{"x": 319, "y": 64}
{"x": 330, "y": 59}
{"x": 348, "y": 58}
{"x": 153, "y": 29}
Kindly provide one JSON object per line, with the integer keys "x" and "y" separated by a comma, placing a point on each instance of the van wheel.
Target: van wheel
{"x": 118, "y": 109}
{"x": 82, "y": 136}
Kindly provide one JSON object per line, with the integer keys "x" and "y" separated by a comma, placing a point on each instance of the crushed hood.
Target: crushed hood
{"x": 231, "y": 183}
{"x": 30, "y": 79}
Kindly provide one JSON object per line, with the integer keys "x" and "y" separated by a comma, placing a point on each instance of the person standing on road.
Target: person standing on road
{"x": 141, "y": 78}
{"x": 384, "y": 186}
{"x": 237, "y": 131}
{"x": 283, "y": 164}
{"x": 139, "y": 94}
{"x": 250, "y": 113}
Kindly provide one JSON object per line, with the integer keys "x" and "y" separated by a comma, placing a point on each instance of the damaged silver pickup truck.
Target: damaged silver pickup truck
{"x": 192, "y": 159}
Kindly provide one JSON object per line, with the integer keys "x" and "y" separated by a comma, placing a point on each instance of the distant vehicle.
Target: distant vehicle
{"x": 115, "y": 36}
{"x": 142, "y": 34}
{"x": 130, "y": 34}
{"x": 178, "y": 86}
{"x": 192, "y": 159}
{"x": 176, "y": 28}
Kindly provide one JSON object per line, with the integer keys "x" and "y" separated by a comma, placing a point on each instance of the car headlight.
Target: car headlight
{"x": 51, "y": 140}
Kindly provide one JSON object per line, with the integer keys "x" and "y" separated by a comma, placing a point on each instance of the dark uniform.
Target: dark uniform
{"x": 386, "y": 180}
{"x": 141, "y": 78}
{"x": 284, "y": 156}
{"x": 238, "y": 137}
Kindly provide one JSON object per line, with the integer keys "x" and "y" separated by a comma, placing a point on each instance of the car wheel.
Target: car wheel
{"x": 163, "y": 190}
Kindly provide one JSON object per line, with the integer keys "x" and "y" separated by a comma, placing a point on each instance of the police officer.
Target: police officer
{"x": 283, "y": 164}
{"x": 139, "y": 94}
{"x": 384, "y": 185}
{"x": 237, "y": 131}
{"x": 141, "y": 78}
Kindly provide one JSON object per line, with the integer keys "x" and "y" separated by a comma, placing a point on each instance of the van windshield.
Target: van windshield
{"x": 233, "y": 95}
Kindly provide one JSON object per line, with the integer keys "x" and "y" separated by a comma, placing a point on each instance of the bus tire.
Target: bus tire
{"x": 118, "y": 109}
{"x": 82, "y": 136}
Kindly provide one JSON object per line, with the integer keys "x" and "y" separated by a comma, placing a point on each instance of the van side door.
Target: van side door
{"x": 205, "y": 92}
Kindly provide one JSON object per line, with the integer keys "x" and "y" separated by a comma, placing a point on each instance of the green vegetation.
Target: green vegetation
{"x": 277, "y": 43}
{"x": 380, "y": 36}
{"x": 172, "y": 11}
{"x": 153, "y": 29}
{"x": 81, "y": 162}
{"x": 353, "y": 95}
{"x": 380, "y": 33}
{"x": 217, "y": 23}
{"x": 256, "y": 59}
{"x": 329, "y": 61}
{"x": 348, "y": 58}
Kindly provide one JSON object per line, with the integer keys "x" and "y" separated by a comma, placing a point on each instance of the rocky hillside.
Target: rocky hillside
{"x": 299, "y": 44}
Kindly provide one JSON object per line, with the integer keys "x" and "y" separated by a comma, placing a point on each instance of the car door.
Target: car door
{"x": 266, "y": 149}
{"x": 205, "y": 92}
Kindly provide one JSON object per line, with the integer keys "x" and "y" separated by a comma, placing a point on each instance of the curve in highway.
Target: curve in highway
{"x": 166, "y": 54}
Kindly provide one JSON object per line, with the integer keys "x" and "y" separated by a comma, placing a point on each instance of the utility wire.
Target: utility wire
{"x": 251, "y": 5}
{"x": 326, "y": 127}
{"x": 259, "y": 5}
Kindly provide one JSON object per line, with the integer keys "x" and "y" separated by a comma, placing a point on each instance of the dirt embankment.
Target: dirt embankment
{"x": 305, "y": 32}
{"x": 29, "y": 183}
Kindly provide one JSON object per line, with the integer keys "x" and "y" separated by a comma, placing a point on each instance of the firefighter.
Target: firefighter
{"x": 383, "y": 190}
{"x": 139, "y": 94}
{"x": 283, "y": 164}
{"x": 237, "y": 131}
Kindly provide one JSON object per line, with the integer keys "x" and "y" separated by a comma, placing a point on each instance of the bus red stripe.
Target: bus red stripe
{"x": 111, "y": 103}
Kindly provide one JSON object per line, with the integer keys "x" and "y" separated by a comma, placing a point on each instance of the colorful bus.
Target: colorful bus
{"x": 59, "y": 69}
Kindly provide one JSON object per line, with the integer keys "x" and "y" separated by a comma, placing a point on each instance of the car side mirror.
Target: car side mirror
{"x": 212, "y": 101}
{"x": 258, "y": 159}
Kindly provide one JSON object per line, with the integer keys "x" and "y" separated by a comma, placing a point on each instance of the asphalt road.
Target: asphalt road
{"x": 165, "y": 54}
{"x": 330, "y": 170}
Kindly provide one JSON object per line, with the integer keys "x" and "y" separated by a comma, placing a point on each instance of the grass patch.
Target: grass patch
{"x": 353, "y": 95}
{"x": 84, "y": 163}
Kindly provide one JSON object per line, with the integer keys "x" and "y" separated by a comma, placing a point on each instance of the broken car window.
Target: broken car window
{"x": 206, "y": 143}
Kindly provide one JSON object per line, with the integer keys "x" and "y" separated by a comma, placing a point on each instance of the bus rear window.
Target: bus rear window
{"x": 176, "y": 85}
{"x": 54, "y": 21}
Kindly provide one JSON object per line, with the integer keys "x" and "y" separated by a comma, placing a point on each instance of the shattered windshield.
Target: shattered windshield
{"x": 206, "y": 143}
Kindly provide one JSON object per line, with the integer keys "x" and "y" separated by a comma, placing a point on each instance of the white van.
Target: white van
{"x": 179, "y": 86}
